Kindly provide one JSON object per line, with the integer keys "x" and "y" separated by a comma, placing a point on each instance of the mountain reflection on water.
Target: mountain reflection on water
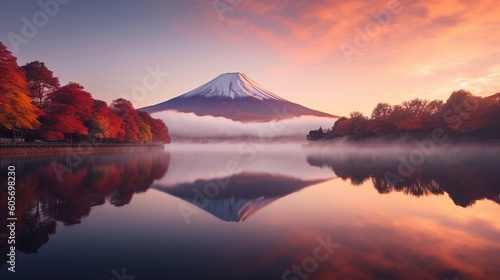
{"x": 239, "y": 196}
{"x": 283, "y": 197}
{"x": 466, "y": 173}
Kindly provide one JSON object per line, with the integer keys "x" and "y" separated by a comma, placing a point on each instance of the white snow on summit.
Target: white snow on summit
{"x": 232, "y": 85}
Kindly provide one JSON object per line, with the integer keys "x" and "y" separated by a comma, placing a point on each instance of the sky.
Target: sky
{"x": 330, "y": 55}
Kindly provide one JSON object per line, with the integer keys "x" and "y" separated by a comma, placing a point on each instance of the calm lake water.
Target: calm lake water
{"x": 257, "y": 211}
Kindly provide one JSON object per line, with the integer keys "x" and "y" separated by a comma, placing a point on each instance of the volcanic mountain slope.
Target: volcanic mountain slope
{"x": 237, "y": 97}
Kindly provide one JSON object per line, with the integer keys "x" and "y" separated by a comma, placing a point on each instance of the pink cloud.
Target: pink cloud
{"x": 423, "y": 47}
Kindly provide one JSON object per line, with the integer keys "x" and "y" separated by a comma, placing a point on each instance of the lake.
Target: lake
{"x": 257, "y": 211}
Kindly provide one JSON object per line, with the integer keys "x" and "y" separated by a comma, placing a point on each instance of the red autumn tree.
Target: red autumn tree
{"x": 67, "y": 109}
{"x": 16, "y": 110}
{"x": 41, "y": 82}
{"x": 125, "y": 110}
{"x": 159, "y": 129}
{"x": 103, "y": 123}
{"x": 409, "y": 116}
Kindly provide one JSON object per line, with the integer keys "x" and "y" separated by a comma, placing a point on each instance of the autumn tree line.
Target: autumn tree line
{"x": 32, "y": 100}
{"x": 463, "y": 117}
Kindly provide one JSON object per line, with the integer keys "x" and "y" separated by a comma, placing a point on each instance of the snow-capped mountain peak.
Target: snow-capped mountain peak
{"x": 236, "y": 97}
{"x": 232, "y": 85}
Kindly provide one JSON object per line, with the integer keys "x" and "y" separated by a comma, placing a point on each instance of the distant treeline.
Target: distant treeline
{"x": 34, "y": 105}
{"x": 462, "y": 117}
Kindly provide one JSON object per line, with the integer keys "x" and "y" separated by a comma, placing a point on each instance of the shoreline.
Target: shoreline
{"x": 43, "y": 151}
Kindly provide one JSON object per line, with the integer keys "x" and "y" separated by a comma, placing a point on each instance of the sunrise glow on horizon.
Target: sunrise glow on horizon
{"x": 329, "y": 55}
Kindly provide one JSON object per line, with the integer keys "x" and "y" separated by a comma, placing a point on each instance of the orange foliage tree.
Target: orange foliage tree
{"x": 104, "y": 123}
{"x": 16, "y": 108}
{"x": 158, "y": 128}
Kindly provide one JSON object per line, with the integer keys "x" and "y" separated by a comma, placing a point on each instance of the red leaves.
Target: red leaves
{"x": 16, "y": 110}
{"x": 124, "y": 110}
{"x": 69, "y": 109}
{"x": 158, "y": 128}
{"x": 41, "y": 81}
{"x": 138, "y": 126}
{"x": 104, "y": 123}
{"x": 463, "y": 113}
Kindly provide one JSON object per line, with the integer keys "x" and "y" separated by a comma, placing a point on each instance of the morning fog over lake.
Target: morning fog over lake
{"x": 260, "y": 210}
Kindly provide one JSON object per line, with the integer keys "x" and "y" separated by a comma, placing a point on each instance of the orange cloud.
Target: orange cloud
{"x": 423, "y": 48}
{"x": 312, "y": 30}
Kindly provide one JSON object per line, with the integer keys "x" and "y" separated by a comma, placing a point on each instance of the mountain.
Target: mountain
{"x": 245, "y": 194}
{"x": 237, "y": 97}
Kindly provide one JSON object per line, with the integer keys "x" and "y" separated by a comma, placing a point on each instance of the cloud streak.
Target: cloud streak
{"x": 297, "y": 27}
{"x": 193, "y": 126}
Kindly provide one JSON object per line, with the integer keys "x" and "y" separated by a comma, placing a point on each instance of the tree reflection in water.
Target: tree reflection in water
{"x": 466, "y": 174}
{"x": 43, "y": 196}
